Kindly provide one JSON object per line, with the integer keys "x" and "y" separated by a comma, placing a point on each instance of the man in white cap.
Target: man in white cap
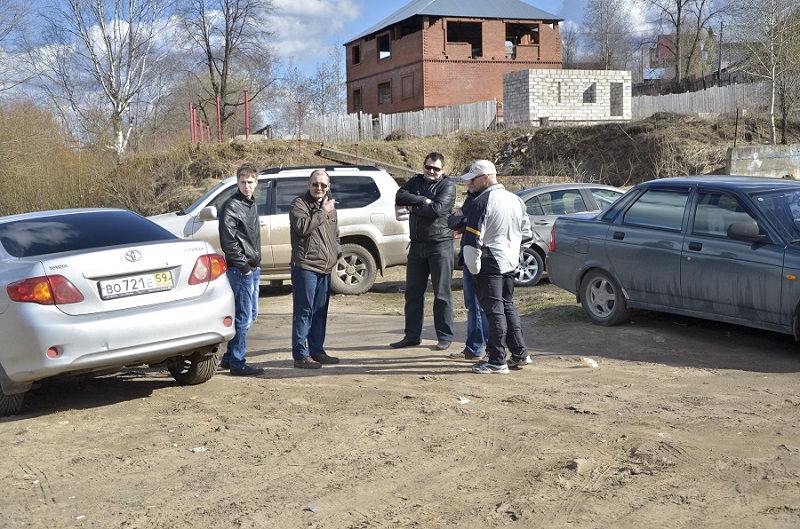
{"x": 497, "y": 230}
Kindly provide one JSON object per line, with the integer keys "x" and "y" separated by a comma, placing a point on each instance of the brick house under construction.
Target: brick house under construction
{"x": 435, "y": 53}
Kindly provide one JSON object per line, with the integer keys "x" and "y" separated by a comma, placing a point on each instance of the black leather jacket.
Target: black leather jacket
{"x": 428, "y": 222}
{"x": 240, "y": 233}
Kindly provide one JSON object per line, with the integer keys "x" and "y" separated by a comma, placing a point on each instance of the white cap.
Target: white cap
{"x": 479, "y": 168}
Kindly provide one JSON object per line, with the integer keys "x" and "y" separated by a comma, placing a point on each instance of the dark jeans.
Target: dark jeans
{"x": 245, "y": 295}
{"x": 310, "y": 297}
{"x": 496, "y": 293}
{"x": 434, "y": 259}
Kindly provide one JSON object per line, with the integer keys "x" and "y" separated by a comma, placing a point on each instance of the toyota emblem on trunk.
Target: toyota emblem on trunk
{"x": 133, "y": 255}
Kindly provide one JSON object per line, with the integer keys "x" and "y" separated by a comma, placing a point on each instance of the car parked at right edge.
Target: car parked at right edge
{"x": 723, "y": 248}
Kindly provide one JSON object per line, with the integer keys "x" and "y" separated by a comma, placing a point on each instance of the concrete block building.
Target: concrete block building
{"x": 540, "y": 97}
{"x": 435, "y": 53}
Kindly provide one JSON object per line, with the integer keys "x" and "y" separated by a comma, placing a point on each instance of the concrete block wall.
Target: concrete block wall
{"x": 531, "y": 97}
{"x": 776, "y": 161}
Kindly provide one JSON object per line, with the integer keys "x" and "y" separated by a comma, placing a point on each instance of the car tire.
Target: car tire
{"x": 11, "y": 404}
{"x": 355, "y": 271}
{"x": 191, "y": 370}
{"x": 530, "y": 268}
{"x": 602, "y": 299}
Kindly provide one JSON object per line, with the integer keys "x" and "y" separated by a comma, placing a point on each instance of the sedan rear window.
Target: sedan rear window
{"x": 70, "y": 231}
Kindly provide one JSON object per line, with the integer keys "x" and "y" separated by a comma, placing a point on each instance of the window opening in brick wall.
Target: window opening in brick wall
{"x": 357, "y": 105}
{"x": 384, "y": 93}
{"x": 355, "y": 54}
{"x": 519, "y": 35}
{"x": 469, "y": 32}
{"x": 590, "y": 94}
{"x": 384, "y": 46}
{"x": 617, "y": 99}
{"x": 558, "y": 92}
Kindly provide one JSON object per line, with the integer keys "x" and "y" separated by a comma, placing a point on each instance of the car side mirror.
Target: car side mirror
{"x": 208, "y": 213}
{"x": 745, "y": 231}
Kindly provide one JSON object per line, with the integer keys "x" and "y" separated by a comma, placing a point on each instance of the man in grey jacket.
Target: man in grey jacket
{"x": 315, "y": 250}
{"x": 240, "y": 239}
{"x": 497, "y": 229}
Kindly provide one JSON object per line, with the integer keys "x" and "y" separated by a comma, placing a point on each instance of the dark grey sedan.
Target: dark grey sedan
{"x": 544, "y": 205}
{"x": 721, "y": 248}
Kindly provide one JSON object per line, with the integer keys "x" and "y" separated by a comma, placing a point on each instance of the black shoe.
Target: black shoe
{"x": 442, "y": 345}
{"x": 223, "y": 364}
{"x": 405, "y": 342}
{"x": 247, "y": 371}
{"x": 307, "y": 363}
{"x": 325, "y": 359}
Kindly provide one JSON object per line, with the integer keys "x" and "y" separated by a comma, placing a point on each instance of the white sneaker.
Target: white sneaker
{"x": 485, "y": 368}
{"x": 517, "y": 363}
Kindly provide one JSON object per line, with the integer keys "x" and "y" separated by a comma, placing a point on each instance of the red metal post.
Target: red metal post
{"x": 219, "y": 122}
{"x": 246, "y": 115}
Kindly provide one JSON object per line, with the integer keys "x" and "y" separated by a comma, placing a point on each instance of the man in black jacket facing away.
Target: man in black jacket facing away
{"x": 430, "y": 197}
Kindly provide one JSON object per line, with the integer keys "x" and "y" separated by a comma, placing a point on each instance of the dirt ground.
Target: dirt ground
{"x": 684, "y": 423}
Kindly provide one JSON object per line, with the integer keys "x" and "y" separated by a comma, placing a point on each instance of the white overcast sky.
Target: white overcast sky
{"x": 308, "y": 29}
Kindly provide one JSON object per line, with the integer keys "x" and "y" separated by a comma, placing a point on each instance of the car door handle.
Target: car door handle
{"x": 618, "y": 235}
{"x": 696, "y": 246}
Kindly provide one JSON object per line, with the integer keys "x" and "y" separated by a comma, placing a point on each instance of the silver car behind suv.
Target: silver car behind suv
{"x": 373, "y": 231}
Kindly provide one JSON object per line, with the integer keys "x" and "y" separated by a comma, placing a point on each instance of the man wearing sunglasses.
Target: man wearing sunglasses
{"x": 429, "y": 197}
{"x": 315, "y": 250}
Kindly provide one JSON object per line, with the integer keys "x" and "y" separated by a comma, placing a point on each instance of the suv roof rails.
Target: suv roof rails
{"x": 274, "y": 170}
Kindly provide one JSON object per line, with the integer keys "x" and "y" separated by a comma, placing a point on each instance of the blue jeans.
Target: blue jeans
{"x": 477, "y": 324}
{"x": 245, "y": 295}
{"x": 434, "y": 260}
{"x": 311, "y": 292}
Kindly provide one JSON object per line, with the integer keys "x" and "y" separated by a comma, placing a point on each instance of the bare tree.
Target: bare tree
{"x": 684, "y": 22}
{"x": 570, "y": 45}
{"x": 773, "y": 46}
{"x": 609, "y": 37}
{"x": 96, "y": 61}
{"x": 231, "y": 51}
{"x": 12, "y": 20}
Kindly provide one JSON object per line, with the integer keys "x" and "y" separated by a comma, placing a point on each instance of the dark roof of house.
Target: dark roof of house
{"x": 513, "y": 9}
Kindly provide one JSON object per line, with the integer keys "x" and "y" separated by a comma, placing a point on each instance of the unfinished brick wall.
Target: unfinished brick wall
{"x": 536, "y": 96}
{"x": 425, "y": 71}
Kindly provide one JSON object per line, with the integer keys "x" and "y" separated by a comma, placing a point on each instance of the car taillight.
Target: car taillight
{"x": 208, "y": 268}
{"x": 53, "y": 290}
{"x": 552, "y": 240}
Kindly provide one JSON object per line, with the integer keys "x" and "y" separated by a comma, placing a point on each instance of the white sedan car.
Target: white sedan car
{"x": 99, "y": 289}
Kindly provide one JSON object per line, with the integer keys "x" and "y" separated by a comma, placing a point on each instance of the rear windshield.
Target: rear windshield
{"x": 66, "y": 232}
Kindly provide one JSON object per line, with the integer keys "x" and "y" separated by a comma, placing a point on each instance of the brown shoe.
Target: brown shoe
{"x": 307, "y": 363}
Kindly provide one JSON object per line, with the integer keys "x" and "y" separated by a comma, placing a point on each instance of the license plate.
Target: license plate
{"x": 135, "y": 285}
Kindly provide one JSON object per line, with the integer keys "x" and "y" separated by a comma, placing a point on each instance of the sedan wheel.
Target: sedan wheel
{"x": 191, "y": 370}
{"x": 355, "y": 271}
{"x": 530, "y": 268}
{"x": 10, "y": 404}
{"x": 602, "y": 299}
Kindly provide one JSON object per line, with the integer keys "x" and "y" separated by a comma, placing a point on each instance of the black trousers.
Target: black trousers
{"x": 496, "y": 294}
{"x": 434, "y": 259}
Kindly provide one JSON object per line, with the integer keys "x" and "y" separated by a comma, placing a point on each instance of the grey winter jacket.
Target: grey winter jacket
{"x": 314, "y": 234}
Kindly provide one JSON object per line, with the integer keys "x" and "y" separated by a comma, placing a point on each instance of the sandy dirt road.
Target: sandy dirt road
{"x": 684, "y": 423}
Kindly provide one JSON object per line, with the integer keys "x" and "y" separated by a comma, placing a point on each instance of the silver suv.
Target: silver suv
{"x": 373, "y": 231}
